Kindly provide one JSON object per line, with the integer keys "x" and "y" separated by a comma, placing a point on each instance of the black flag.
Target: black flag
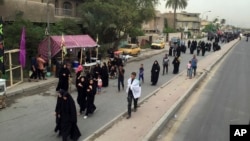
{"x": 2, "y": 69}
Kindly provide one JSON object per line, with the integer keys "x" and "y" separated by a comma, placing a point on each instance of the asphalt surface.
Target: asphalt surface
{"x": 224, "y": 100}
{"x": 32, "y": 118}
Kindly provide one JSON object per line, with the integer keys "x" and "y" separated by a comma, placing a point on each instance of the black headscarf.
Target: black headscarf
{"x": 155, "y": 66}
{"x": 68, "y": 111}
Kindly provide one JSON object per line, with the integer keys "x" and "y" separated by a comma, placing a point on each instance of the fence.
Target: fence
{"x": 14, "y": 71}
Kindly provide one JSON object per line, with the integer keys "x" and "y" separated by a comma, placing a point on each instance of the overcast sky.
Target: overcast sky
{"x": 236, "y": 12}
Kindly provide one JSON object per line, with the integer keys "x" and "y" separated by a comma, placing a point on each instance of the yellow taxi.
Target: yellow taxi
{"x": 158, "y": 44}
{"x": 130, "y": 49}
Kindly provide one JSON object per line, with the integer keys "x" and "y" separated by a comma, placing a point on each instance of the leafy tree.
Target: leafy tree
{"x": 66, "y": 26}
{"x": 34, "y": 34}
{"x": 176, "y": 4}
{"x": 168, "y": 30}
{"x": 210, "y": 28}
{"x": 222, "y": 21}
{"x": 104, "y": 17}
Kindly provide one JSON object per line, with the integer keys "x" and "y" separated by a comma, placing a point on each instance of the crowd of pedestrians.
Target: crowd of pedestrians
{"x": 91, "y": 83}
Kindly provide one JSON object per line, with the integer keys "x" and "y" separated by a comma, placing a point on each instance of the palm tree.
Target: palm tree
{"x": 222, "y": 21}
{"x": 215, "y": 20}
{"x": 176, "y": 4}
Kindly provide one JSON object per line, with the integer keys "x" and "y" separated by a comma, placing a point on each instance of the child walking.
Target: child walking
{"x": 189, "y": 70}
{"x": 141, "y": 73}
{"x": 99, "y": 84}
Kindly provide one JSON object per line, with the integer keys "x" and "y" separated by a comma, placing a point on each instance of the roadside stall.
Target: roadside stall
{"x": 76, "y": 47}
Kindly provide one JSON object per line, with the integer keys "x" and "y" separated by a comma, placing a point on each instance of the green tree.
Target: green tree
{"x": 210, "y": 28}
{"x": 222, "y": 21}
{"x": 176, "y": 4}
{"x": 34, "y": 34}
{"x": 66, "y": 26}
{"x": 113, "y": 17}
{"x": 168, "y": 30}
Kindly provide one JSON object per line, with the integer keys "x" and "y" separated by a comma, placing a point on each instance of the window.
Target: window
{"x": 67, "y": 8}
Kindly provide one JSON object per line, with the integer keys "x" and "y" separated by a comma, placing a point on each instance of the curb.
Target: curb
{"x": 28, "y": 89}
{"x": 160, "y": 124}
{"x": 102, "y": 129}
{"x": 153, "y": 133}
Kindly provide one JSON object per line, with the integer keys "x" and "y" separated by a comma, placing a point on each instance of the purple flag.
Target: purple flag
{"x": 22, "y": 55}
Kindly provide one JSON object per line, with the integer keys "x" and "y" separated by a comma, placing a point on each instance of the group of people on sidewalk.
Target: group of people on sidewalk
{"x": 37, "y": 68}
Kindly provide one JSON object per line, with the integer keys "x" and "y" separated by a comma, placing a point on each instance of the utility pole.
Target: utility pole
{"x": 48, "y": 34}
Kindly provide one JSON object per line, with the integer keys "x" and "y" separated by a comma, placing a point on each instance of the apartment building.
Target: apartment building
{"x": 184, "y": 22}
{"x": 40, "y": 10}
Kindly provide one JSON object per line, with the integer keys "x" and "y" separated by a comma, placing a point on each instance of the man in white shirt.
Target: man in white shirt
{"x": 134, "y": 92}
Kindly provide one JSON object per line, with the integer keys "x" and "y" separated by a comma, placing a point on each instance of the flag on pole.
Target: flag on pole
{"x": 22, "y": 53}
{"x": 64, "y": 50}
{"x": 2, "y": 68}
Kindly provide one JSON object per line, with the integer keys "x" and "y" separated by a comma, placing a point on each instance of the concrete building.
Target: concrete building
{"x": 204, "y": 23}
{"x": 184, "y": 22}
{"x": 156, "y": 25}
{"x": 38, "y": 10}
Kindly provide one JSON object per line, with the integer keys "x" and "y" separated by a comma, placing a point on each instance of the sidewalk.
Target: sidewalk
{"x": 30, "y": 86}
{"x": 160, "y": 106}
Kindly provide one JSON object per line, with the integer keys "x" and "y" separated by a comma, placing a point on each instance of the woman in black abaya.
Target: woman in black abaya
{"x": 155, "y": 72}
{"x": 69, "y": 118}
{"x": 81, "y": 97}
{"x": 105, "y": 75}
{"x": 91, "y": 92}
{"x": 57, "y": 113}
{"x": 63, "y": 82}
{"x": 176, "y": 64}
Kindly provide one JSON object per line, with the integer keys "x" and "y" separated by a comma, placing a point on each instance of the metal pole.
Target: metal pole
{"x": 48, "y": 31}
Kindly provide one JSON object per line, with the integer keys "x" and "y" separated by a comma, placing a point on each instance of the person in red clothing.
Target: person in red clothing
{"x": 40, "y": 67}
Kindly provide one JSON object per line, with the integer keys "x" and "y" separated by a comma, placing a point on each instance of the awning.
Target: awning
{"x": 70, "y": 41}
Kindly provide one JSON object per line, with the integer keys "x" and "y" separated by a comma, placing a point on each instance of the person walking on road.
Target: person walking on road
{"x": 194, "y": 62}
{"x": 58, "y": 113}
{"x": 68, "y": 117}
{"x": 91, "y": 92}
{"x": 155, "y": 72}
{"x": 176, "y": 63}
{"x": 105, "y": 75}
{"x": 63, "y": 82}
{"x": 121, "y": 72}
{"x": 134, "y": 92}
{"x": 141, "y": 73}
{"x": 165, "y": 63}
{"x": 81, "y": 96}
{"x": 189, "y": 70}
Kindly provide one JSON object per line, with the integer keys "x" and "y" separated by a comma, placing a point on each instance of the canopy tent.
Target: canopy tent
{"x": 70, "y": 41}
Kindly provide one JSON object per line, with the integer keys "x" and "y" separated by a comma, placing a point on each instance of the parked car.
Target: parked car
{"x": 130, "y": 49}
{"x": 158, "y": 44}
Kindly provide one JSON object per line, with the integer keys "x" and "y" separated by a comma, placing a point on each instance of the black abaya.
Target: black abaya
{"x": 63, "y": 82}
{"x": 155, "y": 73}
{"x": 105, "y": 76}
{"x": 69, "y": 118}
{"x": 81, "y": 97}
{"x": 176, "y": 64}
{"x": 57, "y": 114}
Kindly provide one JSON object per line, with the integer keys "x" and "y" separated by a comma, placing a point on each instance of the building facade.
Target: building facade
{"x": 188, "y": 22}
{"x": 40, "y": 10}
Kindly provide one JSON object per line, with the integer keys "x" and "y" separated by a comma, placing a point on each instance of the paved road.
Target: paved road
{"x": 32, "y": 117}
{"x": 224, "y": 100}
